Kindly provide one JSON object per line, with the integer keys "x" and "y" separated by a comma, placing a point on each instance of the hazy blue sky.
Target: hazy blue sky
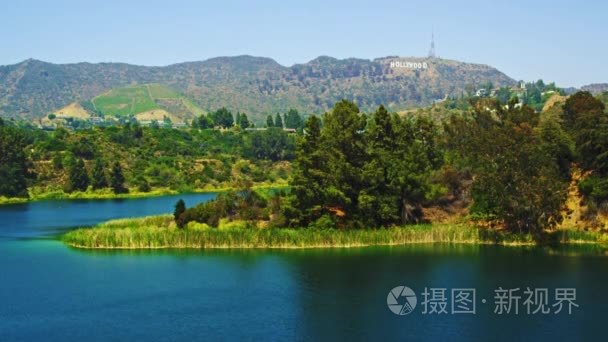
{"x": 562, "y": 41}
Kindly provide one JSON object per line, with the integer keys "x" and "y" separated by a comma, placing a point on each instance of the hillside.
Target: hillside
{"x": 144, "y": 100}
{"x": 596, "y": 88}
{"x": 254, "y": 85}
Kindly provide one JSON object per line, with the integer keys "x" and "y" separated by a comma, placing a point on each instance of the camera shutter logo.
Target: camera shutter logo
{"x": 401, "y": 300}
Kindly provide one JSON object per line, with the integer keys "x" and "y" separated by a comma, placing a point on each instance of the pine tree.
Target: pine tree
{"x": 78, "y": 178}
{"x": 98, "y": 176}
{"x": 278, "y": 121}
{"x": 180, "y": 207}
{"x": 117, "y": 179}
{"x": 244, "y": 121}
{"x": 308, "y": 184}
{"x": 238, "y": 119}
{"x": 269, "y": 121}
{"x": 293, "y": 119}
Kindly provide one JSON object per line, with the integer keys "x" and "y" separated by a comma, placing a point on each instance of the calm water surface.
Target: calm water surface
{"x": 52, "y": 292}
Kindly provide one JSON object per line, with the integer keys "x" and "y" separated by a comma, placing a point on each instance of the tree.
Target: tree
{"x": 244, "y": 121}
{"x": 117, "y": 179}
{"x": 273, "y": 144}
{"x": 98, "y": 175}
{"x": 78, "y": 178}
{"x": 180, "y": 207}
{"x": 515, "y": 179}
{"x": 585, "y": 120}
{"x": 402, "y": 157}
{"x": 503, "y": 95}
{"x": 293, "y": 119}
{"x": 343, "y": 142}
{"x": 13, "y": 167}
{"x": 202, "y": 122}
{"x": 278, "y": 121}
{"x": 222, "y": 118}
{"x": 269, "y": 121}
{"x": 308, "y": 182}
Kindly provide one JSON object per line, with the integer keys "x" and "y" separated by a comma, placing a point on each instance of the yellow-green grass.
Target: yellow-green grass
{"x": 124, "y": 101}
{"x": 12, "y": 200}
{"x": 161, "y": 232}
{"x": 39, "y": 194}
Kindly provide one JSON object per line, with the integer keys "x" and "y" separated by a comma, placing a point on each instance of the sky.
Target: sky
{"x": 560, "y": 41}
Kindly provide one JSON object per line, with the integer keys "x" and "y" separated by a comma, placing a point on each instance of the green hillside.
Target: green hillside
{"x": 137, "y": 99}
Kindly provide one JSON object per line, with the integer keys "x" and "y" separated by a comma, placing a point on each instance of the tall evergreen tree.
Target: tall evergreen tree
{"x": 278, "y": 121}
{"x": 309, "y": 180}
{"x": 78, "y": 177}
{"x": 180, "y": 207}
{"x": 238, "y": 119}
{"x": 244, "y": 121}
{"x": 293, "y": 119}
{"x": 98, "y": 175}
{"x": 269, "y": 121}
{"x": 117, "y": 179}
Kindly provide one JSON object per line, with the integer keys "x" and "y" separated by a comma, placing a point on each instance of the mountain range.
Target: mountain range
{"x": 255, "y": 85}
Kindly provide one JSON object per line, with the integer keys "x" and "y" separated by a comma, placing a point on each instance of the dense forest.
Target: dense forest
{"x": 505, "y": 162}
{"x": 132, "y": 158}
{"x": 509, "y": 164}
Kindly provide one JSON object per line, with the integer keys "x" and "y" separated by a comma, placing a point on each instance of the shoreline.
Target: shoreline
{"x": 159, "y": 232}
{"x": 105, "y": 195}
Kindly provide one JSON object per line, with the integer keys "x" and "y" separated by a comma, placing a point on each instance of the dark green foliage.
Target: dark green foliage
{"x": 13, "y": 167}
{"x": 356, "y": 172}
{"x": 557, "y": 144}
{"x": 244, "y": 205}
{"x": 98, "y": 175}
{"x": 273, "y": 144}
{"x": 83, "y": 148}
{"x": 595, "y": 188}
{"x": 222, "y": 118}
{"x": 503, "y": 95}
{"x": 243, "y": 121}
{"x": 269, "y": 121}
{"x": 202, "y": 122}
{"x": 515, "y": 179}
{"x": 78, "y": 177}
{"x": 587, "y": 123}
{"x": 578, "y": 106}
{"x": 293, "y": 119}
{"x": 309, "y": 178}
{"x": 402, "y": 159}
{"x": 142, "y": 184}
{"x": 117, "y": 179}
{"x": 278, "y": 121}
{"x": 180, "y": 207}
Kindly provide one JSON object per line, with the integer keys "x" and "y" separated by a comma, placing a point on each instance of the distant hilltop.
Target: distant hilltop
{"x": 596, "y": 88}
{"x": 257, "y": 86}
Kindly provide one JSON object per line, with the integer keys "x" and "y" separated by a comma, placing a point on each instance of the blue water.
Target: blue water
{"x": 51, "y": 292}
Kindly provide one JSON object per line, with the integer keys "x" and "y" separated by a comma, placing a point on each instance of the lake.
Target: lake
{"x": 52, "y": 292}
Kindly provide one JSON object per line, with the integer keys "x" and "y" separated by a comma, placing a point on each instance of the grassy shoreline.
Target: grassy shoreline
{"x": 158, "y": 232}
{"x": 108, "y": 194}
